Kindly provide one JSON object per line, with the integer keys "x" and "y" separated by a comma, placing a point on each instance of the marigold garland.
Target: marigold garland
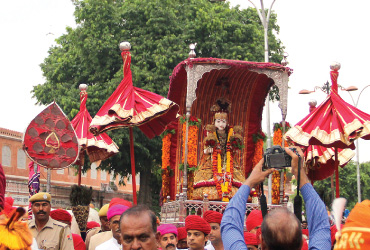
{"x": 278, "y": 140}
{"x": 166, "y": 146}
{"x": 258, "y": 139}
{"x": 192, "y": 159}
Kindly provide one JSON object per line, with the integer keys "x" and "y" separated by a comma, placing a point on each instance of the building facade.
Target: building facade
{"x": 15, "y": 164}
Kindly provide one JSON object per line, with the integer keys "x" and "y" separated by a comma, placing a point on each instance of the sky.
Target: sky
{"x": 315, "y": 33}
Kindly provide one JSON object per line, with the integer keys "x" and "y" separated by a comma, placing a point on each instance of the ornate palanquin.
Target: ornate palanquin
{"x": 196, "y": 83}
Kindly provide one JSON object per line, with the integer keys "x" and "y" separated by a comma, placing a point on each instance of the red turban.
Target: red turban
{"x": 78, "y": 242}
{"x": 194, "y": 222}
{"x": 8, "y": 207}
{"x": 304, "y": 245}
{"x": 92, "y": 224}
{"x": 250, "y": 238}
{"x": 116, "y": 201}
{"x": 254, "y": 220}
{"x": 258, "y": 235}
{"x": 212, "y": 216}
{"x": 2, "y": 186}
{"x": 60, "y": 215}
{"x": 181, "y": 233}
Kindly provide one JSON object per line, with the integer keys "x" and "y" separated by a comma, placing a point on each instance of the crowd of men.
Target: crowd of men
{"x": 123, "y": 226}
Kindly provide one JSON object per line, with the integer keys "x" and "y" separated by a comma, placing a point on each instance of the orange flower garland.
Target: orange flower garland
{"x": 192, "y": 159}
{"x": 276, "y": 178}
{"x": 166, "y": 145}
{"x": 258, "y": 139}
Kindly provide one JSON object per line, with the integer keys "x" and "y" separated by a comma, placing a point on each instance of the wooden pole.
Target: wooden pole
{"x": 79, "y": 175}
{"x": 336, "y": 174}
{"x": 133, "y": 166}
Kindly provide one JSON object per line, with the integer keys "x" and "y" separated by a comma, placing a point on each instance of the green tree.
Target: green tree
{"x": 347, "y": 184}
{"x": 159, "y": 32}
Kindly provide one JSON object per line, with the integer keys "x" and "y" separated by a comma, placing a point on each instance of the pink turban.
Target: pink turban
{"x": 254, "y": 220}
{"x": 167, "y": 229}
{"x": 116, "y": 210}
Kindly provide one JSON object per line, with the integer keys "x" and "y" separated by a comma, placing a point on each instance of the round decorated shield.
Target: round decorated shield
{"x": 50, "y": 139}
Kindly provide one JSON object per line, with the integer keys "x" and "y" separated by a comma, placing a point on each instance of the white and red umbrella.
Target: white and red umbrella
{"x": 130, "y": 106}
{"x": 99, "y": 147}
{"x": 334, "y": 123}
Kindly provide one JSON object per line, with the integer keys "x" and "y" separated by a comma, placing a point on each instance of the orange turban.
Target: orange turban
{"x": 250, "y": 238}
{"x": 356, "y": 233}
{"x": 181, "y": 233}
{"x": 212, "y": 216}
{"x": 194, "y": 222}
{"x": 119, "y": 201}
{"x": 254, "y": 220}
{"x": 60, "y": 215}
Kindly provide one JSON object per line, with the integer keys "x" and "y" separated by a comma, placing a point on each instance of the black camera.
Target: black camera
{"x": 276, "y": 157}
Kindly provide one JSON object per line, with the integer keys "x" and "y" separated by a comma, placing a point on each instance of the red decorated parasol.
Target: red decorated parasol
{"x": 334, "y": 123}
{"x": 50, "y": 139}
{"x": 129, "y": 106}
{"x": 99, "y": 147}
{"x": 320, "y": 161}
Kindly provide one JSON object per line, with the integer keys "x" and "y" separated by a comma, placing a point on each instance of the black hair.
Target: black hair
{"x": 139, "y": 210}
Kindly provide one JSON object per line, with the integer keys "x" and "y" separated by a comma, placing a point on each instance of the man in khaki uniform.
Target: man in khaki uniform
{"x": 97, "y": 230}
{"x": 49, "y": 234}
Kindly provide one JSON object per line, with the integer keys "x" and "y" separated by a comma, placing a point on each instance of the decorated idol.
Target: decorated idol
{"x": 219, "y": 174}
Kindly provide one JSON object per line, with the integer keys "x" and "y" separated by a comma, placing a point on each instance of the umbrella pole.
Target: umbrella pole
{"x": 133, "y": 166}
{"x": 79, "y": 174}
{"x": 336, "y": 174}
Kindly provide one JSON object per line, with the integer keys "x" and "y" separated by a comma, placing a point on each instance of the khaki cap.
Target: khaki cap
{"x": 40, "y": 197}
{"x": 103, "y": 210}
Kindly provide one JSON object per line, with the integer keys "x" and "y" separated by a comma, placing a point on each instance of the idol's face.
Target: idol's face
{"x": 220, "y": 124}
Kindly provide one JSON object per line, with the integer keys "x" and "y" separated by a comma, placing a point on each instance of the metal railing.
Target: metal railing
{"x": 175, "y": 212}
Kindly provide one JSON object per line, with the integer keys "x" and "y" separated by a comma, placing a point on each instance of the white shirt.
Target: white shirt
{"x": 111, "y": 244}
{"x": 209, "y": 246}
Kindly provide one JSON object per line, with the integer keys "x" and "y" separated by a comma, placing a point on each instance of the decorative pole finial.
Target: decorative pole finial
{"x": 83, "y": 87}
{"x": 312, "y": 104}
{"x": 335, "y": 66}
{"x": 285, "y": 62}
{"x": 124, "y": 46}
{"x": 192, "y": 48}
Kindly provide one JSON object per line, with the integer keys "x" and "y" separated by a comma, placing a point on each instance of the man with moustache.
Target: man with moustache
{"x": 139, "y": 229}
{"x": 168, "y": 236}
{"x": 49, "y": 233}
{"x": 114, "y": 215}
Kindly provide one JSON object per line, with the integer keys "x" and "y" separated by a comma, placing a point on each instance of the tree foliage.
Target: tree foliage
{"x": 159, "y": 32}
{"x": 347, "y": 184}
